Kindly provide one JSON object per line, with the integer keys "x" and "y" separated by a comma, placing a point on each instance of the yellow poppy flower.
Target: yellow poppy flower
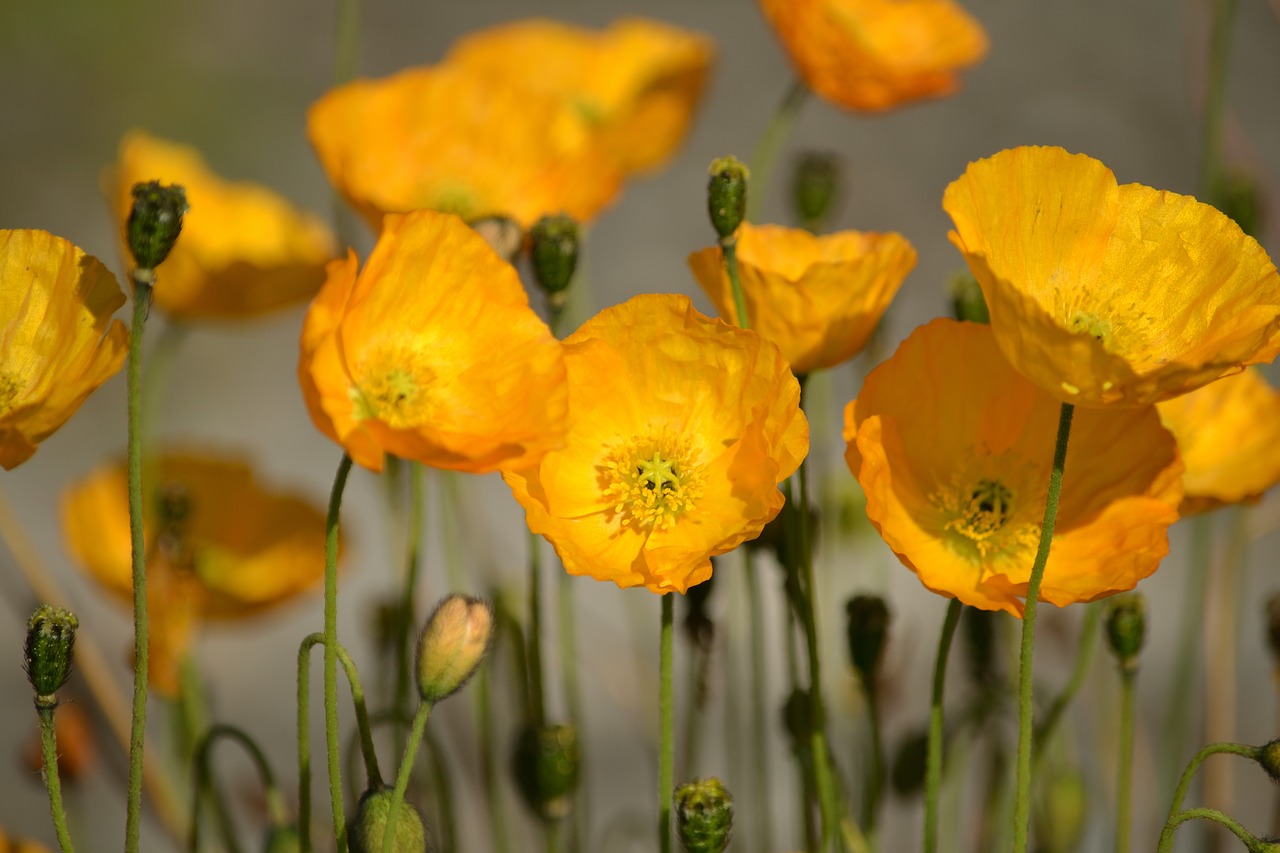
{"x": 681, "y": 427}
{"x": 873, "y": 55}
{"x": 57, "y": 339}
{"x": 244, "y": 251}
{"x": 458, "y": 142}
{"x": 1106, "y": 294}
{"x": 817, "y": 298}
{"x": 12, "y": 844}
{"x": 952, "y": 447}
{"x": 637, "y": 82}
{"x": 432, "y": 353}
{"x": 1229, "y": 435}
{"x": 225, "y": 548}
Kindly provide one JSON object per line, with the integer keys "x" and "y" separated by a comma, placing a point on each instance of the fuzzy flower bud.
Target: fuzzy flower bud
{"x": 553, "y": 251}
{"x": 155, "y": 222}
{"x": 502, "y": 233}
{"x": 727, "y": 195}
{"x": 1126, "y": 628}
{"x": 453, "y": 643}
{"x": 546, "y": 769}
{"x": 967, "y": 301}
{"x": 286, "y": 839}
{"x": 815, "y": 186}
{"x": 868, "y": 628}
{"x": 368, "y": 827}
{"x": 909, "y": 763}
{"x": 704, "y": 815}
{"x": 51, "y": 639}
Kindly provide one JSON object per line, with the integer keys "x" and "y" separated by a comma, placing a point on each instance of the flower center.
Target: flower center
{"x": 392, "y": 385}
{"x": 986, "y": 517}
{"x": 652, "y": 480}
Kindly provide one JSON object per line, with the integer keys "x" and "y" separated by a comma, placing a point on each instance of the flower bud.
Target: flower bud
{"x": 797, "y": 719}
{"x": 453, "y": 643}
{"x": 727, "y": 195}
{"x": 1062, "y": 812}
{"x": 868, "y": 627}
{"x": 1268, "y": 758}
{"x": 367, "y": 828}
{"x": 815, "y": 186}
{"x": 1239, "y": 197}
{"x": 502, "y": 233}
{"x": 546, "y": 769}
{"x": 967, "y": 301}
{"x": 704, "y": 816}
{"x": 553, "y": 251}
{"x": 286, "y": 839}
{"x": 1126, "y": 628}
{"x": 51, "y": 639}
{"x": 154, "y": 222}
{"x": 907, "y": 770}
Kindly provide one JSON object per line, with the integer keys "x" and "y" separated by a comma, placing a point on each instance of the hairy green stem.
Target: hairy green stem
{"x": 1175, "y": 821}
{"x": 1184, "y": 783}
{"x": 933, "y": 763}
{"x": 52, "y": 781}
{"x": 729, "y": 245}
{"x": 332, "y": 748}
{"x": 770, "y": 145}
{"x": 406, "y": 769}
{"x": 666, "y": 723}
{"x": 1124, "y": 773}
{"x": 568, "y": 613}
{"x": 405, "y": 616}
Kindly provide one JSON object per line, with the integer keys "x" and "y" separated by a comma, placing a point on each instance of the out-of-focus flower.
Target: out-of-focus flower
{"x": 817, "y": 298}
{"x": 637, "y": 83}
{"x": 459, "y": 142}
{"x": 432, "y": 353}
{"x": 10, "y": 844}
{"x": 1107, "y": 294}
{"x": 220, "y": 545}
{"x": 680, "y": 430}
{"x": 951, "y": 445}
{"x": 875, "y": 55}
{"x": 244, "y": 250}
{"x": 57, "y": 339}
{"x": 1229, "y": 435}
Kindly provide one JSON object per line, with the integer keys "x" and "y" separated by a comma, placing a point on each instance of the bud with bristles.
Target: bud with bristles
{"x": 727, "y": 195}
{"x": 51, "y": 639}
{"x": 287, "y": 839}
{"x": 155, "y": 221}
{"x": 704, "y": 815}
{"x": 553, "y": 252}
{"x": 453, "y": 643}
{"x": 368, "y": 827}
{"x": 546, "y": 769}
{"x": 1126, "y": 628}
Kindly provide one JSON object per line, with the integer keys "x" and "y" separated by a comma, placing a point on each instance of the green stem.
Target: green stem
{"x": 332, "y": 748}
{"x": 346, "y": 63}
{"x": 1084, "y": 656}
{"x": 1184, "y": 784}
{"x": 444, "y": 795}
{"x": 1166, "y": 837}
{"x": 277, "y": 812}
{"x": 875, "y": 781}
{"x": 142, "y": 283}
{"x": 406, "y": 618}
{"x": 52, "y": 781}
{"x": 364, "y": 724}
{"x": 573, "y": 691}
{"x": 666, "y": 722}
{"x": 1215, "y": 100}
{"x": 933, "y": 764}
{"x": 536, "y": 699}
{"x": 406, "y": 769}
{"x": 770, "y": 144}
{"x": 1124, "y": 775}
{"x": 759, "y": 692}
{"x": 729, "y": 246}
{"x": 1022, "y": 796}
{"x": 1190, "y": 635}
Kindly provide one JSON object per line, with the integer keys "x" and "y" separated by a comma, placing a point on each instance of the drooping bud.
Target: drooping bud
{"x": 453, "y": 643}
{"x": 51, "y": 640}
{"x": 546, "y": 768}
{"x": 1126, "y": 628}
{"x": 907, "y": 770}
{"x": 155, "y": 221}
{"x": 503, "y": 235}
{"x": 369, "y": 826}
{"x": 815, "y": 186}
{"x": 727, "y": 195}
{"x": 704, "y": 815}
{"x": 1268, "y": 757}
{"x": 967, "y": 301}
{"x": 868, "y": 628}
{"x": 553, "y": 253}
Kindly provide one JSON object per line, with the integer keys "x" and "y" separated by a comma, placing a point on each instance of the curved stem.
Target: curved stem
{"x": 49, "y": 744}
{"x": 332, "y": 748}
{"x": 277, "y": 813}
{"x": 1084, "y": 656}
{"x": 1175, "y": 821}
{"x": 770, "y": 144}
{"x": 406, "y": 769}
{"x": 1124, "y": 774}
{"x": 666, "y": 722}
{"x": 1022, "y": 796}
{"x": 1184, "y": 784}
{"x": 933, "y": 765}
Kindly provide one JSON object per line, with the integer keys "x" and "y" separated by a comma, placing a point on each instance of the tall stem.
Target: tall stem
{"x": 1215, "y": 99}
{"x": 770, "y": 144}
{"x": 1022, "y": 796}
{"x": 666, "y": 724}
{"x": 536, "y": 699}
{"x": 933, "y": 764}
{"x": 405, "y": 617}
{"x": 406, "y": 769}
{"x": 876, "y": 779}
{"x": 759, "y": 708}
{"x": 573, "y": 691}
{"x": 49, "y": 744}
{"x": 1124, "y": 773}
{"x": 332, "y": 747}
{"x": 1195, "y": 602}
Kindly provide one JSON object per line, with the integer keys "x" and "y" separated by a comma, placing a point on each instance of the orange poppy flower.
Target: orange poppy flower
{"x": 637, "y": 82}
{"x": 458, "y": 142}
{"x": 681, "y": 427}
{"x": 1229, "y": 435}
{"x": 951, "y": 446}
{"x": 432, "y": 353}
{"x": 1106, "y": 294}
{"x": 220, "y": 546}
{"x": 244, "y": 251}
{"x": 57, "y": 339}
{"x": 874, "y": 55}
{"x": 817, "y": 298}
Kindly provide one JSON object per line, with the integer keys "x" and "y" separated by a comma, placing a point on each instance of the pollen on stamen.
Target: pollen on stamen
{"x": 652, "y": 480}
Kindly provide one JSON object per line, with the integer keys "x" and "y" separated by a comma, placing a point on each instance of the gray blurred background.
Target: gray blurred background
{"x": 1119, "y": 81}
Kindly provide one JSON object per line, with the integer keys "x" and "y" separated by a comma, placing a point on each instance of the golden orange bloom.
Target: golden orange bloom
{"x": 432, "y": 353}
{"x": 952, "y": 447}
{"x": 1229, "y": 435}
{"x": 12, "y": 844}
{"x": 681, "y": 427}
{"x": 244, "y": 251}
{"x": 637, "y": 82}
{"x": 220, "y": 546}
{"x": 57, "y": 339}
{"x": 873, "y": 55}
{"x": 459, "y": 142}
{"x": 817, "y": 298}
{"x": 1106, "y": 294}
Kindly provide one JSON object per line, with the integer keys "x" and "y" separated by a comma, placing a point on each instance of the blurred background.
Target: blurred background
{"x": 1119, "y": 81}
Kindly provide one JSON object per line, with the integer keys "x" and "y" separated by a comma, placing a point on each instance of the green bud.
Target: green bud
{"x": 174, "y": 505}
{"x": 868, "y": 628}
{"x": 1239, "y": 197}
{"x": 369, "y": 826}
{"x": 1268, "y": 758}
{"x": 453, "y": 643}
{"x": 553, "y": 251}
{"x": 51, "y": 639}
{"x": 704, "y": 815}
{"x": 1063, "y": 809}
{"x": 1126, "y": 628}
{"x": 546, "y": 768}
{"x": 906, "y": 772}
{"x": 502, "y": 233}
{"x": 797, "y": 719}
{"x": 815, "y": 186}
{"x": 967, "y": 301}
{"x": 154, "y": 222}
{"x": 727, "y": 195}
{"x": 285, "y": 839}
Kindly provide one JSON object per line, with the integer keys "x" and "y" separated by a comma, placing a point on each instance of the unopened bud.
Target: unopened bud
{"x": 546, "y": 769}
{"x": 174, "y": 504}
{"x": 1062, "y": 812}
{"x": 1268, "y": 758}
{"x": 502, "y": 233}
{"x": 155, "y": 221}
{"x": 1126, "y": 628}
{"x": 369, "y": 826}
{"x": 286, "y": 839}
{"x": 967, "y": 301}
{"x": 797, "y": 719}
{"x": 815, "y": 186}
{"x": 727, "y": 195}
{"x": 453, "y": 643}
{"x": 868, "y": 628}
{"x": 704, "y": 815}
{"x": 907, "y": 770}
{"x": 553, "y": 252}
{"x": 51, "y": 639}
